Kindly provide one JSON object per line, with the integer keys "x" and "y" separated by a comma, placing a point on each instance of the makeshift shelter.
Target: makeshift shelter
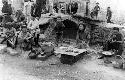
{"x": 70, "y": 30}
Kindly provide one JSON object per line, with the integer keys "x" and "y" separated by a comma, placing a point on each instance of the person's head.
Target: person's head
{"x": 5, "y": 2}
{"x": 73, "y": 2}
{"x": 108, "y": 8}
{"x": 82, "y": 26}
{"x": 97, "y": 3}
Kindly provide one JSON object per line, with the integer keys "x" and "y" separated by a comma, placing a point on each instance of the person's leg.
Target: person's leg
{"x": 96, "y": 14}
{"x": 109, "y": 20}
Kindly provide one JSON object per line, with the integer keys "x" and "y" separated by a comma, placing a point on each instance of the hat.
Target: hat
{"x": 97, "y": 3}
{"x": 108, "y": 7}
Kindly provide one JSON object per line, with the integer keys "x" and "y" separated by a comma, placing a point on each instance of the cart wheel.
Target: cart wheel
{"x": 32, "y": 55}
{"x": 118, "y": 61}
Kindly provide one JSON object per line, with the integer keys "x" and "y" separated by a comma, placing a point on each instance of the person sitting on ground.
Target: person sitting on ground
{"x": 9, "y": 34}
{"x": 82, "y": 36}
{"x": 115, "y": 42}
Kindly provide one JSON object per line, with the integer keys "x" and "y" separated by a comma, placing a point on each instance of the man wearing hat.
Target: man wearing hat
{"x": 96, "y": 9}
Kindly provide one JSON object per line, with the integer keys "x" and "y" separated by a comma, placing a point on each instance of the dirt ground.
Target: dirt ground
{"x": 22, "y": 68}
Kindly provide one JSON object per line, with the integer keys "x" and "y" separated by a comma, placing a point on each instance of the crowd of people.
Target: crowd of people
{"x": 32, "y": 29}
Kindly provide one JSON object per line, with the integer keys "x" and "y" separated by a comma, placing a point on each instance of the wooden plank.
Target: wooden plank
{"x": 63, "y": 51}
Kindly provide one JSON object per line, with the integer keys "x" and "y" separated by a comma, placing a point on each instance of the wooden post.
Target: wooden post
{"x": 70, "y": 5}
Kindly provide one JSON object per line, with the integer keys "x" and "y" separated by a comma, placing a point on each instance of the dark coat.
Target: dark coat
{"x": 7, "y": 9}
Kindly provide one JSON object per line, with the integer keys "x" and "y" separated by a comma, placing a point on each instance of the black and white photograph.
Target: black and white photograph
{"x": 62, "y": 39}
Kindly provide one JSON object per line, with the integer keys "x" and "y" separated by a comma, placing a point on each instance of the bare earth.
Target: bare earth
{"x": 21, "y": 68}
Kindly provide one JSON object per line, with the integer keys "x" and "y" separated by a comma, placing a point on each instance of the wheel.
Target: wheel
{"x": 32, "y": 55}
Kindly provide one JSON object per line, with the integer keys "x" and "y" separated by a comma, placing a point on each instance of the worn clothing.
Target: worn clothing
{"x": 56, "y": 7}
{"x": 74, "y": 7}
{"x": 97, "y": 8}
{"x": 81, "y": 36}
{"x": 27, "y": 8}
{"x": 7, "y": 18}
{"x": 115, "y": 36}
{"x": 33, "y": 24}
{"x": 33, "y": 10}
{"x": 109, "y": 16}
{"x": 59, "y": 26}
{"x": 7, "y": 9}
{"x": 19, "y": 15}
{"x": 109, "y": 13}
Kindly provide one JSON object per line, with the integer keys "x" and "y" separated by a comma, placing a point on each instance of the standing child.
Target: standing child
{"x": 109, "y": 15}
{"x": 96, "y": 9}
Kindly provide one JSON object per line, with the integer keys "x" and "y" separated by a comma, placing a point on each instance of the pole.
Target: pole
{"x": 70, "y": 5}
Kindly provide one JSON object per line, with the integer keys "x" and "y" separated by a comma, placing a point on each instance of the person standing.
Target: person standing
{"x": 27, "y": 10}
{"x": 55, "y": 6}
{"x": 7, "y": 11}
{"x": 59, "y": 28}
{"x": 74, "y": 7}
{"x": 33, "y": 9}
{"x": 109, "y": 15}
{"x": 96, "y": 9}
{"x": 87, "y": 8}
